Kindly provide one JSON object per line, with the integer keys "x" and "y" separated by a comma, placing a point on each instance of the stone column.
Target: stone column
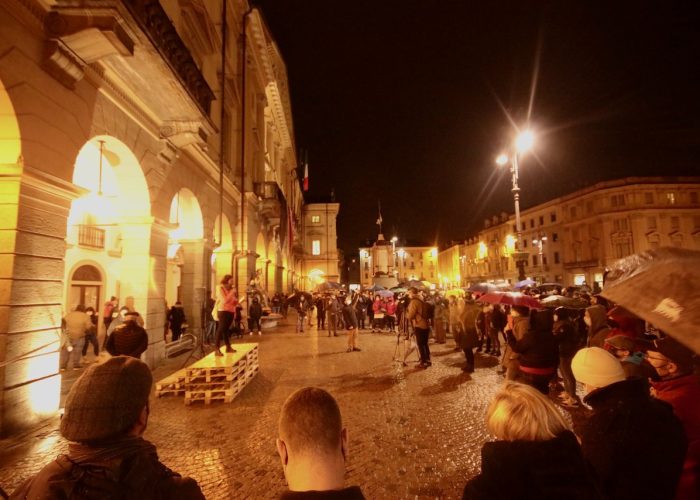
{"x": 155, "y": 314}
{"x": 194, "y": 280}
{"x": 34, "y": 210}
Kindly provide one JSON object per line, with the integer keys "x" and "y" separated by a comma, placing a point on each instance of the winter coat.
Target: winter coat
{"x": 683, "y": 393}
{"x": 469, "y": 338}
{"x": 499, "y": 320}
{"x": 133, "y": 471}
{"x": 415, "y": 313}
{"x": 634, "y": 443}
{"x": 537, "y": 348}
{"x": 377, "y": 306}
{"x": 391, "y": 307}
{"x": 176, "y": 316}
{"x": 349, "y": 317}
{"x": 599, "y": 330}
{"x": 545, "y": 470}
{"x": 568, "y": 338}
{"x": 255, "y": 311}
{"x": 77, "y": 323}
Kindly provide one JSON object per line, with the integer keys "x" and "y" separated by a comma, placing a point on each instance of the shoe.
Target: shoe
{"x": 356, "y": 349}
{"x": 218, "y": 353}
{"x": 251, "y": 333}
{"x": 230, "y": 350}
{"x": 422, "y": 365}
{"x": 429, "y": 363}
{"x": 497, "y": 353}
{"x": 349, "y": 349}
{"x": 468, "y": 369}
{"x": 479, "y": 349}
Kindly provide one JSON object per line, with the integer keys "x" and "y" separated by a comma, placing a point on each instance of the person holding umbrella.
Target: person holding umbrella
{"x": 679, "y": 387}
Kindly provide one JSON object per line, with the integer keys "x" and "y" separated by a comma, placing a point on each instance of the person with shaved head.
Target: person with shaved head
{"x": 313, "y": 447}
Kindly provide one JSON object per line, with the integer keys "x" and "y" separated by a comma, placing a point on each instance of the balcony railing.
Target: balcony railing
{"x": 270, "y": 205}
{"x": 582, "y": 263}
{"x": 91, "y": 236}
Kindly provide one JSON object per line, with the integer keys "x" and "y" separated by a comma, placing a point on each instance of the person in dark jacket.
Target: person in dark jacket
{"x": 350, "y": 321}
{"x": 468, "y": 338}
{"x": 566, "y": 333}
{"x": 255, "y": 312}
{"x": 313, "y": 456}
{"x": 106, "y": 414}
{"x": 128, "y": 339}
{"x": 539, "y": 353}
{"x": 499, "y": 320}
{"x": 634, "y": 443}
{"x": 596, "y": 320}
{"x": 176, "y": 318}
{"x": 320, "y": 312}
{"x": 536, "y": 454}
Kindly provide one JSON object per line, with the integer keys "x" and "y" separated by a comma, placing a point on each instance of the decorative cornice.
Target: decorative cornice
{"x": 156, "y": 24}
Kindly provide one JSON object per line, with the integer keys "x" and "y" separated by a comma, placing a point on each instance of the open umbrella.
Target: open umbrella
{"x": 376, "y": 288}
{"x": 399, "y": 289}
{"x": 385, "y": 293}
{"x": 511, "y": 299}
{"x": 663, "y": 287}
{"x": 416, "y": 283}
{"x": 561, "y": 301}
{"x": 524, "y": 283}
{"x": 328, "y": 286}
{"x": 483, "y": 288}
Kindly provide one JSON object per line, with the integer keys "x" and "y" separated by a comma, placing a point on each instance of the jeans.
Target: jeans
{"x": 91, "y": 338}
{"x": 469, "y": 355}
{"x": 64, "y": 355}
{"x": 422, "y": 335}
{"x": 225, "y": 320}
{"x": 300, "y": 323}
{"x": 254, "y": 324}
{"x": 332, "y": 321}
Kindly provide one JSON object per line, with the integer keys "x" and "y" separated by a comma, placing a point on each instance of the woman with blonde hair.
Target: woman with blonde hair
{"x": 536, "y": 455}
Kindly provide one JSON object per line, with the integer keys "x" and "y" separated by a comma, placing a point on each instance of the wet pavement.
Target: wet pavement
{"x": 413, "y": 433}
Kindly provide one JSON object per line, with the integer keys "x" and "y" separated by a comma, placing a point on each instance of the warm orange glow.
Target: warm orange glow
{"x": 482, "y": 252}
{"x": 44, "y": 395}
{"x": 317, "y": 276}
{"x": 10, "y": 146}
{"x": 185, "y": 212}
{"x": 509, "y": 247}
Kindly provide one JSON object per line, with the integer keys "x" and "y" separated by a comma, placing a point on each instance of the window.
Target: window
{"x": 651, "y": 223}
{"x": 555, "y": 236}
{"x": 316, "y": 247}
{"x": 556, "y": 257}
{"x": 315, "y": 219}
{"x": 544, "y": 260}
{"x": 671, "y": 198}
{"x": 622, "y": 249}
{"x": 524, "y": 243}
{"x": 573, "y": 213}
{"x": 553, "y": 217}
{"x": 649, "y": 198}
{"x": 617, "y": 200}
{"x": 675, "y": 223}
{"x": 534, "y": 261}
{"x": 694, "y": 197}
{"x": 366, "y": 265}
{"x": 541, "y": 220}
{"x": 620, "y": 225}
{"x": 532, "y": 223}
{"x": 366, "y": 276}
{"x": 589, "y": 207}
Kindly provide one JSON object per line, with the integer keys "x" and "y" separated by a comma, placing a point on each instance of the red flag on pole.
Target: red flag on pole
{"x": 306, "y": 177}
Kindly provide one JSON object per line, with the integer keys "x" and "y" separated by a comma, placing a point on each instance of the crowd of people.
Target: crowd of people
{"x": 638, "y": 389}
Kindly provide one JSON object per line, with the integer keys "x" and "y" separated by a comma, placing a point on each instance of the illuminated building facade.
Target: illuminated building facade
{"x": 320, "y": 244}
{"x": 387, "y": 259}
{"x": 134, "y": 163}
{"x": 573, "y": 238}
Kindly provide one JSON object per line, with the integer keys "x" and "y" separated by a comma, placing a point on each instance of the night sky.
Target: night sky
{"x": 407, "y": 102}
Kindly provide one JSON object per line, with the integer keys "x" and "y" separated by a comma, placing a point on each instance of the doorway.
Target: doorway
{"x": 85, "y": 288}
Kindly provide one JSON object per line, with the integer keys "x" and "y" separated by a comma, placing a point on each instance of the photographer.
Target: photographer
{"x": 418, "y": 314}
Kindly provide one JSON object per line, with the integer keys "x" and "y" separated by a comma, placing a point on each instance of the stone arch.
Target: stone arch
{"x": 186, "y": 214}
{"x": 222, "y": 255}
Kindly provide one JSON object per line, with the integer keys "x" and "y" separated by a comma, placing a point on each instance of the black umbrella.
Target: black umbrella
{"x": 376, "y": 288}
{"x": 328, "y": 286}
{"x": 662, "y": 287}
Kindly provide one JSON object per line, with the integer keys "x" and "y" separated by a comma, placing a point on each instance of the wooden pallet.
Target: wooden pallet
{"x": 173, "y": 385}
{"x": 221, "y": 378}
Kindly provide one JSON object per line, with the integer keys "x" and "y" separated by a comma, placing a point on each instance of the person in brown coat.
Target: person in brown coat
{"x": 518, "y": 323}
{"x": 105, "y": 417}
{"x": 128, "y": 339}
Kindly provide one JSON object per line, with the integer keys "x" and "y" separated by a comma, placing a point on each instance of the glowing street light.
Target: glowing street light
{"x": 523, "y": 142}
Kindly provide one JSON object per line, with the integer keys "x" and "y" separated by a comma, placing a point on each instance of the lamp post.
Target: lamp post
{"x": 523, "y": 142}
{"x": 539, "y": 242}
{"x": 393, "y": 254}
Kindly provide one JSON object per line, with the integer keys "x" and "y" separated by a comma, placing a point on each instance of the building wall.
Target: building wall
{"x": 64, "y": 86}
{"x": 406, "y": 262}
{"x": 320, "y": 243}
{"x": 584, "y": 232}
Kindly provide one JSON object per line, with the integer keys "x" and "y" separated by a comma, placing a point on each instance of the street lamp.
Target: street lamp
{"x": 393, "y": 254}
{"x": 523, "y": 142}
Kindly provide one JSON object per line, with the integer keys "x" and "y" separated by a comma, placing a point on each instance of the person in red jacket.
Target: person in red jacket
{"x": 681, "y": 389}
{"x": 391, "y": 314}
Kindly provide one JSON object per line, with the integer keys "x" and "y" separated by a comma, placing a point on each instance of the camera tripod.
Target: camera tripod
{"x": 405, "y": 335}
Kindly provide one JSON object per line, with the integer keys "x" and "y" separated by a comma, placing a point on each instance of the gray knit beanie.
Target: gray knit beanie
{"x": 106, "y": 400}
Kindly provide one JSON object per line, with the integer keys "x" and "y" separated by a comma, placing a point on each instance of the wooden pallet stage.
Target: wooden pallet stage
{"x": 213, "y": 378}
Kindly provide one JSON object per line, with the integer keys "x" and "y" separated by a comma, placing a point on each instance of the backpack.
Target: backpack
{"x": 87, "y": 482}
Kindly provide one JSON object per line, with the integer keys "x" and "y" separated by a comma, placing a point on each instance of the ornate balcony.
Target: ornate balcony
{"x": 270, "y": 205}
{"x": 91, "y": 236}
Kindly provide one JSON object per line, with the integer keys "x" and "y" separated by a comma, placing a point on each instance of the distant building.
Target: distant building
{"x": 321, "y": 258}
{"x": 573, "y": 238}
{"x": 386, "y": 259}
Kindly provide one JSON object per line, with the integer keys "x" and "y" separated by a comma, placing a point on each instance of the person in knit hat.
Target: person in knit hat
{"x": 634, "y": 443}
{"x": 106, "y": 414}
{"x": 128, "y": 339}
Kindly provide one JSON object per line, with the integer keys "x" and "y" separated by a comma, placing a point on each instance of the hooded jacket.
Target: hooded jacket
{"x": 598, "y": 330}
{"x": 634, "y": 443}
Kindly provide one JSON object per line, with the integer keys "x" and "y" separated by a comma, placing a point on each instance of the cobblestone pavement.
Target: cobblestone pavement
{"x": 412, "y": 433}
